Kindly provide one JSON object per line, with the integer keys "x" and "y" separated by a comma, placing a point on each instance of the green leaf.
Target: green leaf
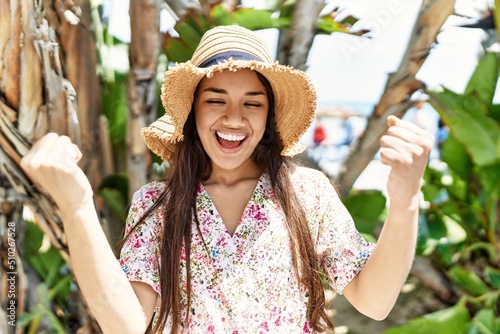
{"x": 349, "y": 20}
{"x": 328, "y": 25}
{"x": 365, "y": 207}
{"x": 445, "y": 254}
{"x": 25, "y": 318}
{"x": 425, "y": 244}
{"x": 35, "y": 236}
{"x": 495, "y": 112}
{"x": 53, "y": 321}
{"x": 114, "y": 199}
{"x": 62, "y": 287}
{"x": 53, "y": 271}
{"x": 466, "y": 117}
{"x": 221, "y": 16}
{"x": 177, "y": 50}
{"x": 190, "y": 36}
{"x": 42, "y": 262}
{"x": 115, "y": 107}
{"x": 453, "y": 152}
{"x": 455, "y": 233}
{"x": 484, "y": 79}
{"x": 254, "y": 19}
{"x": 116, "y": 181}
{"x": 452, "y": 320}
{"x": 436, "y": 226}
{"x": 198, "y": 20}
{"x": 493, "y": 275}
{"x": 430, "y": 191}
{"x": 484, "y": 321}
{"x": 485, "y": 249}
{"x": 490, "y": 179}
{"x": 498, "y": 147}
{"x": 369, "y": 237}
{"x": 468, "y": 280}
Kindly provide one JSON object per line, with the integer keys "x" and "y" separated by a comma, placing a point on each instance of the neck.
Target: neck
{"x": 220, "y": 176}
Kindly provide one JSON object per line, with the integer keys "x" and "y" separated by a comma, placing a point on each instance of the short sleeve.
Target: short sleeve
{"x": 139, "y": 256}
{"x": 342, "y": 250}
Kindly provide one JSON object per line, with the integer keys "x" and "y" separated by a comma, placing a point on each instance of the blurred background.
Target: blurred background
{"x": 92, "y": 70}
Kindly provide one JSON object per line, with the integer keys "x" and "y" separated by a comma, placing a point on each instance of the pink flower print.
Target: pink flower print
{"x": 137, "y": 243}
{"x": 307, "y": 327}
{"x": 264, "y": 326}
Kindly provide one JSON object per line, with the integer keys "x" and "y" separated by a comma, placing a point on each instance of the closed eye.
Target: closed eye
{"x": 215, "y": 101}
{"x": 253, "y": 104}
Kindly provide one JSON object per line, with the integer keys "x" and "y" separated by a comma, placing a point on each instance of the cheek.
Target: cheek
{"x": 261, "y": 124}
{"x": 200, "y": 121}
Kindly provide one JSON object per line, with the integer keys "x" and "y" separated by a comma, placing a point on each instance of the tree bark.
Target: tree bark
{"x": 295, "y": 42}
{"x": 145, "y": 47}
{"x": 13, "y": 283}
{"x": 395, "y": 99}
{"x": 47, "y": 59}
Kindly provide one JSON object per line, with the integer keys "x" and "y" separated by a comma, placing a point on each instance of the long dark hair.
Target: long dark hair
{"x": 190, "y": 166}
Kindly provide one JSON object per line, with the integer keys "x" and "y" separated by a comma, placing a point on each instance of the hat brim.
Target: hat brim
{"x": 294, "y": 103}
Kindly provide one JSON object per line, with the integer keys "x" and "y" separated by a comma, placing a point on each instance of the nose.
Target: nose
{"x": 234, "y": 115}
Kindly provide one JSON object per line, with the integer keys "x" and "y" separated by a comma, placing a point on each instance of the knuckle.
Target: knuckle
{"x": 384, "y": 140}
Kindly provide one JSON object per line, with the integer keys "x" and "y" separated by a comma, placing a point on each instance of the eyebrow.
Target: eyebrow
{"x": 223, "y": 91}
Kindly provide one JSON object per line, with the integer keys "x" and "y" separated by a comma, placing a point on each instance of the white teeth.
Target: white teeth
{"x": 226, "y": 136}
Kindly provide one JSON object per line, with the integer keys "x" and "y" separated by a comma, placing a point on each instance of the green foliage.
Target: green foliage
{"x": 114, "y": 191}
{"x": 484, "y": 79}
{"x": 195, "y": 23}
{"x": 115, "y": 108}
{"x": 54, "y": 293}
{"x": 452, "y": 320}
{"x": 467, "y": 280}
{"x": 466, "y": 115}
{"x": 366, "y": 207}
{"x": 460, "y": 230}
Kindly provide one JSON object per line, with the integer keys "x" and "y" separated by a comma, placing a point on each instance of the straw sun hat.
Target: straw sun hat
{"x": 232, "y": 48}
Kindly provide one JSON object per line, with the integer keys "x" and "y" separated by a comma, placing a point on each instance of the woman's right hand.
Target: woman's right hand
{"x": 52, "y": 164}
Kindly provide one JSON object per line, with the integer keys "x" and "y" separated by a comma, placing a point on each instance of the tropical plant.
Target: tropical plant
{"x": 460, "y": 231}
{"x": 48, "y": 83}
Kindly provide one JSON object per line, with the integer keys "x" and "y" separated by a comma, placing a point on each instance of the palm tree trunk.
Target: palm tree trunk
{"x": 48, "y": 82}
{"x": 145, "y": 47}
{"x": 295, "y": 42}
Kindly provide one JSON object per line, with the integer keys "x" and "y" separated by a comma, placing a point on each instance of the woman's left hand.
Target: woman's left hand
{"x": 405, "y": 148}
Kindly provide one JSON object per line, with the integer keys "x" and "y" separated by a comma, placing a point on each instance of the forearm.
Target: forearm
{"x": 405, "y": 148}
{"x": 100, "y": 278}
{"x": 377, "y": 286}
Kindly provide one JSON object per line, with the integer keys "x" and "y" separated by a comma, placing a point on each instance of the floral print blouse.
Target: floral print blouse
{"x": 246, "y": 284}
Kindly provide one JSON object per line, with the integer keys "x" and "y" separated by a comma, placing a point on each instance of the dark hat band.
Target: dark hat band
{"x": 223, "y": 56}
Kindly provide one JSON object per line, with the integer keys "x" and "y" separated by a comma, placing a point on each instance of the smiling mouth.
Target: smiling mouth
{"x": 229, "y": 141}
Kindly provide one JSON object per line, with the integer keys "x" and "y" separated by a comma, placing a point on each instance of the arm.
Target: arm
{"x": 52, "y": 164}
{"x": 374, "y": 291}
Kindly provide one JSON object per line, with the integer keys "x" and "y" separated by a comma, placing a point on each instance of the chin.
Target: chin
{"x": 230, "y": 163}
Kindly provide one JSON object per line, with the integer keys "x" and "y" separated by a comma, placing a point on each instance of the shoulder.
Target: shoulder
{"x": 148, "y": 194}
{"x": 304, "y": 176}
{"x": 143, "y": 200}
{"x": 311, "y": 183}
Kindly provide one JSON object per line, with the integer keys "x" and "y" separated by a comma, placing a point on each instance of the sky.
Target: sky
{"x": 353, "y": 70}
{"x": 347, "y": 68}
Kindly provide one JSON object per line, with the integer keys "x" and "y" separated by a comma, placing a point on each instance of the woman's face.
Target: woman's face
{"x": 231, "y": 112}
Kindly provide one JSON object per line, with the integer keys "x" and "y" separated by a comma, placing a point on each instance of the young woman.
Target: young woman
{"x": 235, "y": 237}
